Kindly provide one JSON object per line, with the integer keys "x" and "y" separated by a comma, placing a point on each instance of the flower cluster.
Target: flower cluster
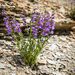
{"x": 12, "y": 25}
{"x": 8, "y": 26}
{"x": 43, "y": 24}
{"x": 15, "y": 25}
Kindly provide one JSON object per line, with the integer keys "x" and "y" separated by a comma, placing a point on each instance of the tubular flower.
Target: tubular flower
{"x": 12, "y": 25}
{"x": 3, "y": 12}
{"x": 34, "y": 31}
{"x": 15, "y": 25}
{"x": 7, "y": 24}
{"x": 34, "y": 17}
{"x": 44, "y": 25}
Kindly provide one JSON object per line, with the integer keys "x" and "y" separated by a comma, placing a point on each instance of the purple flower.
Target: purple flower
{"x": 13, "y": 22}
{"x": 35, "y": 16}
{"x": 6, "y": 18}
{"x": 53, "y": 27}
{"x": 41, "y": 20}
{"x": 17, "y": 27}
{"x": 53, "y": 24}
{"x": 33, "y": 19}
{"x": 47, "y": 18}
{"x": 44, "y": 25}
{"x": 40, "y": 26}
{"x": 3, "y": 12}
{"x": 12, "y": 25}
{"x": 34, "y": 31}
{"x": 35, "y": 35}
{"x": 9, "y": 30}
{"x": 52, "y": 32}
{"x": 46, "y": 29}
{"x": 47, "y": 23}
{"x": 7, "y": 24}
{"x": 24, "y": 19}
{"x": 44, "y": 33}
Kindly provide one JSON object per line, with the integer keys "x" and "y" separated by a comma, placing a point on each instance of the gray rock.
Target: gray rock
{"x": 2, "y": 66}
{"x": 53, "y": 46}
{"x": 62, "y": 10}
{"x": 44, "y": 69}
{"x": 51, "y": 62}
{"x": 34, "y": 73}
{"x": 13, "y": 73}
{"x": 27, "y": 70}
{"x": 57, "y": 73}
{"x": 10, "y": 66}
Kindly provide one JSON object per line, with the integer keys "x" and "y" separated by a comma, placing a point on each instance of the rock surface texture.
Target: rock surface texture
{"x": 26, "y": 7}
{"x": 58, "y": 54}
{"x": 56, "y": 58}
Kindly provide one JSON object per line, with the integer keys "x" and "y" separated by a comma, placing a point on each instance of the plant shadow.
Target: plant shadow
{"x": 62, "y": 32}
{"x": 20, "y": 63}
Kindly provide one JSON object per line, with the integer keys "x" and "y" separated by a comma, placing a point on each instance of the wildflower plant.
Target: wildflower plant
{"x": 40, "y": 27}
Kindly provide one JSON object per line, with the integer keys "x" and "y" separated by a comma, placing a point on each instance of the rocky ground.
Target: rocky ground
{"x": 56, "y": 58}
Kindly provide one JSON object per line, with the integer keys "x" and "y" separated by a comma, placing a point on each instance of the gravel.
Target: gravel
{"x": 56, "y": 58}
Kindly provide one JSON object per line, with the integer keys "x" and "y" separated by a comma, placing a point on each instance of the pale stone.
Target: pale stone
{"x": 44, "y": 69}
{"x": 53, "y": 46}
{"x": 59, "y": 54}
{"x": 2, "y": 65}
{"x": 42, "y": 62}
{"x": 73, "y": 28}
{"x": 28, "y": 20}
{"x": 62, "y": 10}
{"x": 51, "y": 62}
{"x": 10, "y": 66}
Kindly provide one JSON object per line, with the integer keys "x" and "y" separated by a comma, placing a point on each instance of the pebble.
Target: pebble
{"x": 59, "y": 54}
{"x": 13, "y": 73}
{"x": 51, "y": 62}
{"x": 2, "y": 66}
{"x": 44, "y": 69}
{"x": 42, "y": 62}
{"x": 62, "y": 38}
{"x": 10, "y": 66}
{"x": 53, "y": 46}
